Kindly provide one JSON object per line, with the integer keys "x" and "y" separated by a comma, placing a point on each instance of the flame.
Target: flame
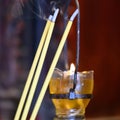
{"x": 72, "y": 67}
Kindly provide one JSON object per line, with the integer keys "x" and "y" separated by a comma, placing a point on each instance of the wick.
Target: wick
{"x": 77, "y": 44}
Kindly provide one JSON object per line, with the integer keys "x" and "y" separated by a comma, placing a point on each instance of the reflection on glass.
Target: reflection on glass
{"x": 69, "y": 103}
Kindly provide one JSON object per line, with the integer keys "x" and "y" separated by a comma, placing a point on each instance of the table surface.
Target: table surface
{"x": 105, "y": 118}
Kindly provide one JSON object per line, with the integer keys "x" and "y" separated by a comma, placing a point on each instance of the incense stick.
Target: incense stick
{"x": 52, "y": 67}
{"x": 29, "y": 79}
{"x": 39, "y": 68}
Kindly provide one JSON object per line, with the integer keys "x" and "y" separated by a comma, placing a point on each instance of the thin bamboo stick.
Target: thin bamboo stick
{"x": 39, "y": 68}
{"x": 29, "y": 79}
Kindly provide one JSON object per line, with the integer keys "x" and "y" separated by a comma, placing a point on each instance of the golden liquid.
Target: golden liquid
{"x": 67, "y": 106}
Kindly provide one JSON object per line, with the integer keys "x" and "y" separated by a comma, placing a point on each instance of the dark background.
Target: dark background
{"x": 99, "y": 51}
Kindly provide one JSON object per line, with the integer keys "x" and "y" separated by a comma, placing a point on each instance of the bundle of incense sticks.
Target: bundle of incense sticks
{"x": 35, "y": 71}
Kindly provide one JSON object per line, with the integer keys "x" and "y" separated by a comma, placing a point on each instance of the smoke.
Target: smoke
{"x": 40, "y": 8}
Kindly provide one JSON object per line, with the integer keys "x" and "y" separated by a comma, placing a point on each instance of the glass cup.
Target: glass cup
{"x": 71, "y": 97}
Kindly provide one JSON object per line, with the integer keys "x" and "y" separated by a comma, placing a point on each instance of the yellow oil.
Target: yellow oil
{"x": 66, "y": 106}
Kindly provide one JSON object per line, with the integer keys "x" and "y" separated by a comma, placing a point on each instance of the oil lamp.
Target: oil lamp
{"x": 69, "y": 101}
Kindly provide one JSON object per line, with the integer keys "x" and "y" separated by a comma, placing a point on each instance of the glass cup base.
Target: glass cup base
{"x": 70, "y": 118}
{"x": 72, "y": 113}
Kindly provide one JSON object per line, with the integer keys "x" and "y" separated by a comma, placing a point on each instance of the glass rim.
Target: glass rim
{"x": 84, "y": 71}
{"x": 87, "y": 71}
